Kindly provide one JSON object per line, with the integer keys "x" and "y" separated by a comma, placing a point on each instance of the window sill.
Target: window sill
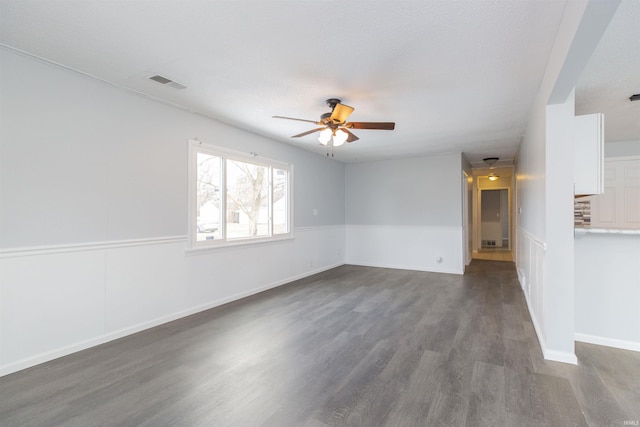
{"x": 238, "y": 244}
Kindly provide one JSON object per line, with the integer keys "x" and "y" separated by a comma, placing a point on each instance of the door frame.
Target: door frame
{"x": 479, "y": 215}
{"x": 467, "y": 219}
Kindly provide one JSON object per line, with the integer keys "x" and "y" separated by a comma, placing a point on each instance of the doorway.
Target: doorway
{"x": 494, "y": 240}
{"x": 494, "y": 219}
{"x": 499, "y": 237}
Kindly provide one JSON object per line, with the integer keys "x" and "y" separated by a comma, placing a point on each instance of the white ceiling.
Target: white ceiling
{"x": 454, "y": 76}
{"x": 613, "y": 75}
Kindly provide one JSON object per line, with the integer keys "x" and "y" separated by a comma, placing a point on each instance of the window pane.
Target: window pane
{"x": 280, "y": 201}
{"x": 247, "y": 200}
{"x": 208, "y": 213}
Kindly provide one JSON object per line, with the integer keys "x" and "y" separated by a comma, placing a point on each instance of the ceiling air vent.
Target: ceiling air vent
{"x": 167, "y": 82}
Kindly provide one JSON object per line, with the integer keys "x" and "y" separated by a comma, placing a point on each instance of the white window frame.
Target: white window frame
{"x": 196, "y": 147}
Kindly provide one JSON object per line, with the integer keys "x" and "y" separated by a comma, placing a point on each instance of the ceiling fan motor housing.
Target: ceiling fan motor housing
{"x": 332, "y": 102}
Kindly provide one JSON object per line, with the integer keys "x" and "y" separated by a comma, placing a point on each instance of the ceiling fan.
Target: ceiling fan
{"x": 334, "y": 125}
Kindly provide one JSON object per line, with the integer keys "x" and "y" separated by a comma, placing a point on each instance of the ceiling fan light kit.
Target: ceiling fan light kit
{"x": 337, "y": 137}
{"x": 490, "y": 161}
{"x": 334, "y": 130}
{"x": 325, "y": 136}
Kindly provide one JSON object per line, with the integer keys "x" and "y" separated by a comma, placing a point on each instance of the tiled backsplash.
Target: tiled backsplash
{"x": 582, "y": 213}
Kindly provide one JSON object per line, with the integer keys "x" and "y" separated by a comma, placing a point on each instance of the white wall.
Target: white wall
{"x": 83, "y": 161}
{"x": 544, "y": 258}
{"x": 532, "y": 199}
{"x": 541, "y": 184}
{"x": 93, "y": 214}
{"x": 608, "y": 289}
{"x": 406, "y": 213}
{"x": 622, "y": 148}
{"x": 558, "y": 291}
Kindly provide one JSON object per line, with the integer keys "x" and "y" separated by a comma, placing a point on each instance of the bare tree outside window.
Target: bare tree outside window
{"x": 208, "y": 196}
{"x": 248, "y": 194}
{"x": 236, "y": 198}
{"x": 280, "y": 199}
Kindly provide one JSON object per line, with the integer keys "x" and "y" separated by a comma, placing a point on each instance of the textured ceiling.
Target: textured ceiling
{"x": 454, "y": 76}
{"x": 613, "y": 75}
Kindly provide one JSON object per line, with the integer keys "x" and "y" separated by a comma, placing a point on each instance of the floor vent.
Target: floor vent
{"x": 168, "y": 82}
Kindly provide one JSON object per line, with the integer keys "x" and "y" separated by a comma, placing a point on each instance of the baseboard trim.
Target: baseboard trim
{"x": 407, "y": 267}
{"x": 521, "y": 279}
{"x": 111, "y": 336}
{"x": 561, "y": 356}
{"x": 554, "y": 355}
{"x": 608, "y": 342}
{"x": 536, "y": 327}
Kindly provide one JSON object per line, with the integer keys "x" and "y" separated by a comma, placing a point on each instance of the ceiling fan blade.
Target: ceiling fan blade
{"x": 351, "y": 136}
{"x": 340, "y": 113}
{"x": 307, "y": 132}
{"x": 293, "y": 118}
{"x": 371, "y": 125}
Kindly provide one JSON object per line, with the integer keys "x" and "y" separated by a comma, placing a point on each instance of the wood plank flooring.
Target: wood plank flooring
{"x": 353, "y": 346}
{"x": 494, "y": 254}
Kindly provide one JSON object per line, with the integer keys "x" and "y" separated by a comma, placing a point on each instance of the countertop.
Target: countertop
{"x": 585, "y": 230}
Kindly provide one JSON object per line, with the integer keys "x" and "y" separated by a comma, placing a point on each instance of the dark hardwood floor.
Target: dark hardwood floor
{"x": 353, "y": 346}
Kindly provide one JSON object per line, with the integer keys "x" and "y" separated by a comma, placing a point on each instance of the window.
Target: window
{"x": 235, "y": 198}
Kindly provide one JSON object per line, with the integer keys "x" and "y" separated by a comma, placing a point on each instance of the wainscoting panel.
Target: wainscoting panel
{"x": 422, "y": 248}
{"x": 49, "y": 302}
{"x": 58, "y": 300}
{"x": 145, "y": 282}
{"x": 530, "y": 264}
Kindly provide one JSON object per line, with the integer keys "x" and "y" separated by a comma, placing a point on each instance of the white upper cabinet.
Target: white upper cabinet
{"x": 619, "y": 205}
{"x": 589, "y": 154}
